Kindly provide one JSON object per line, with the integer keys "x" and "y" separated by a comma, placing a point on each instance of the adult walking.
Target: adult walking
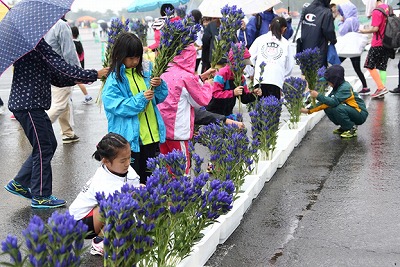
{"x": 378, "y": 55}
{"x": 318, "y": 28}
{"x": 29, "y": 98}
{"x": 350, "y": 23}
{"x": 60, "y": 39}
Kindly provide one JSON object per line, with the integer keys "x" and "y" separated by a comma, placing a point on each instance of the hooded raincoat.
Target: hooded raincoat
{"x": 123, "y": 108}
{"x": 343, "y": 106}
{"x": 185, "y": 92}
{"x": 317, "y": 28}
{"x": 350, "y": 24}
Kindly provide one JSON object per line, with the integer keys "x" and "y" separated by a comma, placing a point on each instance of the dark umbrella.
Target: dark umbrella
{"x": 25, "y": 24}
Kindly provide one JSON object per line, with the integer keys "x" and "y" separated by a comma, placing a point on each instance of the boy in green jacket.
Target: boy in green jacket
{"x": 343, "y": 106}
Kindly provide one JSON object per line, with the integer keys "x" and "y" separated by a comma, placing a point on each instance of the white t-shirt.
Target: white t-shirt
{"x": 276, "y": 54}
{"x": 102, "y": 181}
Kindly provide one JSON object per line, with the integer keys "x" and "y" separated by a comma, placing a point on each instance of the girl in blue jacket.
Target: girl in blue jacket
{"x": 130, "y": 105}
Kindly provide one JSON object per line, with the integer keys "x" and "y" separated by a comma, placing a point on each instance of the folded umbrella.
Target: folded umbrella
{"x": 25, "y": 24}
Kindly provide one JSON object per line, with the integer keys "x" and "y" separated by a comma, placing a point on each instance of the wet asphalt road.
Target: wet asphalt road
{"x": 334, "y": 202}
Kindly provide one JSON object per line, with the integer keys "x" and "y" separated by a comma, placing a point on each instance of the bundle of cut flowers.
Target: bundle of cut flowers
{"x": 117, "y": 27}
{"x": 140, "y": 27}
{"x": 57, "y": 243}
{"x": 309, "y": 61}
{"x": 181, "y": 11}
{"x": 158, "y": 225}
{"x": 265, "y": 124}
{"x": 231, "y": 22}
{"x": 230, "y": 151}
{"x": 321, "y": 85}
{"x": 175, "y": 36}
{"x": 293, "y": 91}
{"x": 237, "y": 66}
{"x": 260, "y": 79}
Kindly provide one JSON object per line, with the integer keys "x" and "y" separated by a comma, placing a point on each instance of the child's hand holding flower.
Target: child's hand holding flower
{"x": 149, "y": 94}
{"x": 313, "y": 93}
{"x": 304, "y": 110}
{"x": 238, "y": 91}
{"x": 155, "y": 81}
{"x": 257, "y": 91}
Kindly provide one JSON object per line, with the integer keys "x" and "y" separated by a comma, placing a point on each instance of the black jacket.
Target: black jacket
{"x": 317, "y": 28}
{"x": 36, "y": 71}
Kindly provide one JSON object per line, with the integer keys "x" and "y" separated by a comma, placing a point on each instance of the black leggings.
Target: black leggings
{"x": 356, "y": 62}
{"x": 270, "y": 89}
{"x": 139, "y": 163}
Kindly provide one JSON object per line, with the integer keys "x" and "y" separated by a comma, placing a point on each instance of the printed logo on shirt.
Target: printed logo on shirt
{"x": 272, "y": 51}
{"x": 309, "y": 19}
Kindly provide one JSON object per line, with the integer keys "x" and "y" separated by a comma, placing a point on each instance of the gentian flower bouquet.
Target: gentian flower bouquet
{"x": 265, "y": 124}
{"x": 262, "y": 65}
{"x": 237, "y": 67}
{"x": 140, "y": 27}
{"x": 321, "y": 85}
{"x": 230, "y": 151}
{"x": 158, "y": 225}
{"x": 293, "y": 90}
{"x": 231, "y": 22}
{"x": 309, "y": 61}
{"x": 117, "y": 27}
{"x": 175, "y": 36}
{"x": 57, "y": 243}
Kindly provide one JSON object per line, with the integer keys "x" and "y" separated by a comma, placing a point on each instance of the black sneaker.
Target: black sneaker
{"x": 72, "y": 139}
{"x": 364, "y": 91}
{"x": 395, "y": 90}
{"x": 17, "y": 189}
{"x": 47, "y": 202}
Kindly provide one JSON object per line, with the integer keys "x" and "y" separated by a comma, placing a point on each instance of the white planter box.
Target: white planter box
{"x": 192, "y": 260}
{"x": 208, "y": 244}
{"x": 250, "y": 186}
{"x": 231, "y": 220}
{"x": 286, "y": 142}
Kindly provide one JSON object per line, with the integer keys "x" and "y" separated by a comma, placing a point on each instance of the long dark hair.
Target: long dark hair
{"x": 109, "y": 146}
{"x": 126, "y": 45}
{"x": 276, "y": 26}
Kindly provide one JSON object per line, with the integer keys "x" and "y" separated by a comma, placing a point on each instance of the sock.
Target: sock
{"x": 382, "y": 74}
{"x": 375, "y": 75}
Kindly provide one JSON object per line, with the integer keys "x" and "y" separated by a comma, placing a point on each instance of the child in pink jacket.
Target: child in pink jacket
{"x": 186, "y": 91}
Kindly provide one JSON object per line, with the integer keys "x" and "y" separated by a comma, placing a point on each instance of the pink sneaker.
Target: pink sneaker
{"x": 12, "y": 117}
{"x": 97, "y": 246}
{"x": 379, "y": 92}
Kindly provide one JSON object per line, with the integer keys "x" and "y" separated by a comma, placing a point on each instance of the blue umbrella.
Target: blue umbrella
{"x": 150, "y": 5}
{"x": 25, "y": 24}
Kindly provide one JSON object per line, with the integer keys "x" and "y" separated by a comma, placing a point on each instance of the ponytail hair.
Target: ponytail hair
{"x": 276, "y": 26}
{"x": 109, "y": 147}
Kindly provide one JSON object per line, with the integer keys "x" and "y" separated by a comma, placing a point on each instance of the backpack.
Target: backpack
{"x": 391, "y": 36}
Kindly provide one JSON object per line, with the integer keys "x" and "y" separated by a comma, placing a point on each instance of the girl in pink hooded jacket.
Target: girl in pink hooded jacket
{"x": 186, "y": 91}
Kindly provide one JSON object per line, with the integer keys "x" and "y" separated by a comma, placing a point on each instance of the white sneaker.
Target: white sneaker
{"x": 97, "y": 246}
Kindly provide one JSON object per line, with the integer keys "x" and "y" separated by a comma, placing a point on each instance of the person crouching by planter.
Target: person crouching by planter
{"x": 343, "y": 106}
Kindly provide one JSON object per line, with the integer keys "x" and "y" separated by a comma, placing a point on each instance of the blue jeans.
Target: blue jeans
{"x": 36, "y": 172}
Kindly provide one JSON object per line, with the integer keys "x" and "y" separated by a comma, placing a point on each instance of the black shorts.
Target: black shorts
{"x": 377, "y": 58}
{"x": 89, "y": 222}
